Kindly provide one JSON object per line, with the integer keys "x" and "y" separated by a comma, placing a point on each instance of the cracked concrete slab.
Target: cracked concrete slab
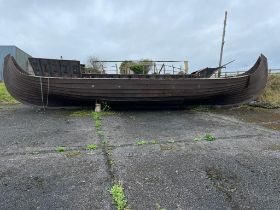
{"x": 228, "y": 173}
{"x": 198, "y": 177}
{"x": 238, "y": 170}
{"x": 54, "y": 181}
{"x": 131, "y": 127}
{"x": 25, "y": 129}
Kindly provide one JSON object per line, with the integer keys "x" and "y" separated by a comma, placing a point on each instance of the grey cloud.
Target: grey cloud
{"x": 158, "y": 29}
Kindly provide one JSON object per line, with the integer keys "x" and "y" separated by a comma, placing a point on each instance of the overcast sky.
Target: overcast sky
{"x": 135, "y": 29}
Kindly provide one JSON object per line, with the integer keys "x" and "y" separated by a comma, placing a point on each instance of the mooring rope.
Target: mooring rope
{"x": 42, "y": 93}
{"x": 44, "y": 106}
{"x": 48, "y": 93}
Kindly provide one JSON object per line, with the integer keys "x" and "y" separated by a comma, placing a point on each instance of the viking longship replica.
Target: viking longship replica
{"x": 60, "y": 83}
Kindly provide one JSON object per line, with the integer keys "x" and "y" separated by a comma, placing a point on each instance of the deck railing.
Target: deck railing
{"x": 236, "y": 73}
{"x": 155, "y": 67}
{"x": 158, "y": 67}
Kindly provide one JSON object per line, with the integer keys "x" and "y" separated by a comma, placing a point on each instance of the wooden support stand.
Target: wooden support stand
{"x": 97, "y": 107}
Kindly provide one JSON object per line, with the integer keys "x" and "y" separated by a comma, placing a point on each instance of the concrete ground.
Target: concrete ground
{"x": 159, "y": 157}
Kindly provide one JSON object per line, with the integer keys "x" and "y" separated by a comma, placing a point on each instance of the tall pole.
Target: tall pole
{"x": 223, "y": 42}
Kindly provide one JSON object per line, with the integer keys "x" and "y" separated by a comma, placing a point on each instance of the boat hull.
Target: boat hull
{"x": 59, "y": 91}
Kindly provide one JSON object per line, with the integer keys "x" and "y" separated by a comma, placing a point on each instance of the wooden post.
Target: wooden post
{"x": 223, "y": 42}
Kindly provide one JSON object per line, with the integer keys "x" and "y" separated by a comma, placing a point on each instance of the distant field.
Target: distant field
{"x": 271, "y": 93}
{"x": 5, "y": 97}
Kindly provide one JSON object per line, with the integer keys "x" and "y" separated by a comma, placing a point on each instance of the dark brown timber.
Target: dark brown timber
{"x": 65, "y": 91}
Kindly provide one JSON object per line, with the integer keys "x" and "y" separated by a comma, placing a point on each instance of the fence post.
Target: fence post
{"x": 103, "y": 71}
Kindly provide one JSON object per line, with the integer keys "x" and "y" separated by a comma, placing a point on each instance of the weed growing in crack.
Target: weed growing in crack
{"x": 206, "y": 137}
{"x": 154, "y": 141}
{"x": 104, "y": 142}
{"x": 117, "y": 192}
{"x": 202, "y": 108}
{"x": 198, "y": 138}
{"x": 142, "y": 142}
{"x": 81, "y": 113}
{"x": 91, "y": 147}
{"x": 111, "y": 162}
{"x": 61, "y": 149}
{"x": 97, "y": 120}
{"x": 209, "y": 137}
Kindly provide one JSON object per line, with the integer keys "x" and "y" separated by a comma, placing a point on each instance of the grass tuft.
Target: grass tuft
{"x": 91, "y": 147}
{"x": 142, "y": 142}
{"x": 61, "y": 149}
{"x": 209, "y": 137}
{"x": 5, "y": 97}
{"x": 154, "y": 141}
{"x": 81, "y": 113}
{"x": 206, "y": 137}
{"x": 202, "y": 108}
{"x": 117, "y": 193}
{"x": 271, "y": 92}
{"x": 97, "y": 120}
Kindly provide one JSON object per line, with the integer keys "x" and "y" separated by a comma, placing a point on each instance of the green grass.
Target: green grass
{"x": 271, "y": 92}
{"x": 154, "y": 141}
{"x": 206, "y": 137}
{"x": 202, "y": 108}
{"x": 142, "y": 142}
{"x": 61, "y": 149}
{"x": 104, "y": 142}
{"x": 117, "y": 193}
{"x": 5, "y": 97}
{"x": 209, "y": 137}
{"x": 97, "y": 120}
{"x": 81, "y": 113}
{"x": 91, "y": 147}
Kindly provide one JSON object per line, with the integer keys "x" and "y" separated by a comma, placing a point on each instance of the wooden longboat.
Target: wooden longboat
{"x": 133, "y": 89}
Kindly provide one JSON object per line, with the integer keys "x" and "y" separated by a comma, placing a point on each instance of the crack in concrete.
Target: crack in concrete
{"x": 106, "y": 148}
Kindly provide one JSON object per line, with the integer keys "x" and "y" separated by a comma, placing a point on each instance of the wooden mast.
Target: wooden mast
{"x": 223, "y": 42}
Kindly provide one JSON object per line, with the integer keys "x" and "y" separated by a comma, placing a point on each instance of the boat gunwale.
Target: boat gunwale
{"x": 23, "y": 72}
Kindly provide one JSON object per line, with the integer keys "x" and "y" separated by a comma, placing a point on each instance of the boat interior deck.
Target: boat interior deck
{"x": 73, "y": 69}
